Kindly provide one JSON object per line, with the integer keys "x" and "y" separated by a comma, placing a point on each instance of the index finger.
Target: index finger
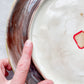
{"x": 24, "y": 64}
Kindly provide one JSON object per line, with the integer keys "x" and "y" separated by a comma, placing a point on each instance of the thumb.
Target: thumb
{"x": 2, "y": 78}
{"x": 23, "y": 64}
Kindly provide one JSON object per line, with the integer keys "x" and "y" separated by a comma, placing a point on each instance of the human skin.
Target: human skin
{"x": 21, "y": 70}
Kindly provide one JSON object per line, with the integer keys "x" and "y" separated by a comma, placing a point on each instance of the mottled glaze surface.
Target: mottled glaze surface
{"x": 55, "y": 52}
{"x": 51, "y": 29}
{"x": 17, "y": 34}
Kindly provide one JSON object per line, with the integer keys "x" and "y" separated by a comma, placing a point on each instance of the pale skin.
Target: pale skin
{"x": 21, "y": 70}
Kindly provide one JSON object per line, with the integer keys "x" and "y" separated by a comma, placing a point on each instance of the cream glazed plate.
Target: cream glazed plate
{"x": 56, "y": 28}
{"x": 57, "y": 33}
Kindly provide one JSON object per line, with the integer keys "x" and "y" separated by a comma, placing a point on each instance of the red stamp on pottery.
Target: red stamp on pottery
{"x": 79, "y": 39}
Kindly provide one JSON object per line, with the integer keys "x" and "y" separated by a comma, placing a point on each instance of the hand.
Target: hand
{"x": 21, "y": 70}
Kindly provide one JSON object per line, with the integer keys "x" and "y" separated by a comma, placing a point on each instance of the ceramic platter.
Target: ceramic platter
{"x": 56, "y": 28}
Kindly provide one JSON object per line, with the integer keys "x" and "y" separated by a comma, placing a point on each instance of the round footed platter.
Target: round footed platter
{"x": 56, "y": 28}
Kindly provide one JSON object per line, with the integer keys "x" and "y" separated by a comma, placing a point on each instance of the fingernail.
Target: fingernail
{"x": 9, "y": 67}
{"x": 6, "y": 74}
{"x": 28, "y": 43}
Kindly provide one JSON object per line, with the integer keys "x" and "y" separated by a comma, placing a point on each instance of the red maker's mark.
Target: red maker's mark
{"x": 74, "y": 37}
